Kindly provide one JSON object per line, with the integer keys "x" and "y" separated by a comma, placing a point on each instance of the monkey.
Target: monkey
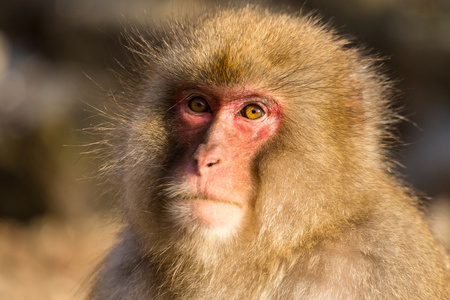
{"x": 251, "y": 152}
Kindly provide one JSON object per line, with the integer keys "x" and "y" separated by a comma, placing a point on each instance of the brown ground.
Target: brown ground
{"x": 50, "y": 258}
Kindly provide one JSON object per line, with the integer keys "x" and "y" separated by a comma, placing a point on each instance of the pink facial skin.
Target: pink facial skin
{"x": 221, "y": 143}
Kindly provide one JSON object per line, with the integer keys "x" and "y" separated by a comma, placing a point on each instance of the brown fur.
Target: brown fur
{"x": 330, "y": 220}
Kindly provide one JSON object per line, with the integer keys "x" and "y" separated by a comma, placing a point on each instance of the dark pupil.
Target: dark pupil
{"x": 199, "y": 104}
{"x": 254, "y": 111}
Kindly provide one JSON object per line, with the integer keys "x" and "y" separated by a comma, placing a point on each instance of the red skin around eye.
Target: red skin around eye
{"x": 221, "y": 144}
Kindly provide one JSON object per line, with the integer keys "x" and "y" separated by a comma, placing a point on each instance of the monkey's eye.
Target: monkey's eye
{"x": 198, "y": 105}
{"x": 252, "y": 112}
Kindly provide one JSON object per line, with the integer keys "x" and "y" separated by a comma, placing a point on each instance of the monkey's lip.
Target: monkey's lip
{"x": 202, "y": 198}
{"x": 214, "y": 212}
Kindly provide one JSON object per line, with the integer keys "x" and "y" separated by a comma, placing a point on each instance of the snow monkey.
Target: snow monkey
{"x": 249, "y": 148}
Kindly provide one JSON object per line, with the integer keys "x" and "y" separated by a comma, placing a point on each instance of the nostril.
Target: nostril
{"x": 212, "y": 163}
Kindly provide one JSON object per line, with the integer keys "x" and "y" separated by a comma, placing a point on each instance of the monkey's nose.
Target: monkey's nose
{"x": 207, "y": 157}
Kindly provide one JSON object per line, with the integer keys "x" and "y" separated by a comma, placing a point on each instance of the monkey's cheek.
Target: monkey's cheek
{"x": 216, "y": 214}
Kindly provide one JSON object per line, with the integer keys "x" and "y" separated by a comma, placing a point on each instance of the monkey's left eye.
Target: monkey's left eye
{"x": 252, "y": 112}
{"x": 198, "y": 105}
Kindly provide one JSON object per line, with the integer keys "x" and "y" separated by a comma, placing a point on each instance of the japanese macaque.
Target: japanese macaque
{"x": 250, "y": 151}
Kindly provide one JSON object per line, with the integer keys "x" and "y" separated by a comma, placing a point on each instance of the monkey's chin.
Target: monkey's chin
{"x": 216, "y": 213}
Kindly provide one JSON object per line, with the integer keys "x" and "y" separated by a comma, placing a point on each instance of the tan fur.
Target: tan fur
{"x": 330, "y": 219}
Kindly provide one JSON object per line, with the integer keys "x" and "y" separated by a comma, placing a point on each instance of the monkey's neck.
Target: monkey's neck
{"x": 231, "y": 272}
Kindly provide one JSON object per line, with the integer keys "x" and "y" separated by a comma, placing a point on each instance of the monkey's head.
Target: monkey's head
{"x": 246, "y": 124}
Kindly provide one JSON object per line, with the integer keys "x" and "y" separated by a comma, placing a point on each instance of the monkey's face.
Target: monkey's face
{"x": 222, "y": 125}
{"x": 220, "y": 131}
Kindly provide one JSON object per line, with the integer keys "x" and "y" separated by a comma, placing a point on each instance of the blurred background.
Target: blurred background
{"x": 54, "y": 225}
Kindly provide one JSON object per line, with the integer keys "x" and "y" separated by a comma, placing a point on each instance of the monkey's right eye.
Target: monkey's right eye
{"x": 198, "y": 105}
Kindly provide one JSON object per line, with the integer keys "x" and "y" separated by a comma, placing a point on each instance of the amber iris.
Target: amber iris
{"x": 252, "y": 112}
{"x": 198, "y": 105}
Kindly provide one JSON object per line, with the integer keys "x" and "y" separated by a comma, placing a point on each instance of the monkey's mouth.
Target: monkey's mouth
{"x": 214, "y": 200}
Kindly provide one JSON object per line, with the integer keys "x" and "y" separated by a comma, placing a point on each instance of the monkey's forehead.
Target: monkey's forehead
{"x": 235, "y": 46}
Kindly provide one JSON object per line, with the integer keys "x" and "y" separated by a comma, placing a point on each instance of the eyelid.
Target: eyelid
{"x": 264, "y": 103}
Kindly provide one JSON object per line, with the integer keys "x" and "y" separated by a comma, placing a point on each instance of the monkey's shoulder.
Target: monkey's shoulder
{"x": 379, "y": 256}
{"x": 124, "y": 273}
